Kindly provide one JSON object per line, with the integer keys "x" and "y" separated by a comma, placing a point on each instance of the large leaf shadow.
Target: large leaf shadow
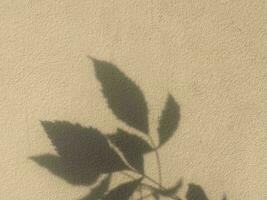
{"x": 83, "y": 152}
{"x": 73, "y": 174}
{"x": 124, "y": 97}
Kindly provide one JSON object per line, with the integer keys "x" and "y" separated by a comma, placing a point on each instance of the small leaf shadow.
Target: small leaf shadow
{"x": 169, "y": 120}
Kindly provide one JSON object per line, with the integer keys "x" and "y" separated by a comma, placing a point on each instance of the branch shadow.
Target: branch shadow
{"x": 85, "y": 153}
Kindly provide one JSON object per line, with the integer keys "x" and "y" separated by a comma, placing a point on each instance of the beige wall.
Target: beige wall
{"x": 208, "y": 54}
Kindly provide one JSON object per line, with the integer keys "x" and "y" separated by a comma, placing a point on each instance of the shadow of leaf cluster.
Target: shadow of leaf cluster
{"x": 86, "y": 156}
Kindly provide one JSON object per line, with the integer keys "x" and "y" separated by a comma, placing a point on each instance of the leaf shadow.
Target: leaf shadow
{"x": 169, "y": 120}
{"x": 75, "y": 175}
{"x": 123, "y": 96}
{"x": 83, "y": 153}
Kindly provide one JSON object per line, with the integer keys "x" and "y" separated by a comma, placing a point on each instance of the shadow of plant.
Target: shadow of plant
{"x": 86, "y": 155}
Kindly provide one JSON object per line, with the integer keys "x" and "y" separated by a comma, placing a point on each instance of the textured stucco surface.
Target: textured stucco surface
{"x": 208, "y": 54}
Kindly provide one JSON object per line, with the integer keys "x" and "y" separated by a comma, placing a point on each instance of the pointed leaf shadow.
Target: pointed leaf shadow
{"x": 83, "y": 151}
{"x": 124, "y": 97}
{"x": 169, "y": 120}
{"x": 132, "y": 147}
{"x": 123, "y": 191}
{"x": 195, "y": 192}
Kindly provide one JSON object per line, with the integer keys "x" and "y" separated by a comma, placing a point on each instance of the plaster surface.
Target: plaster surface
{"x": 208, "y": 54}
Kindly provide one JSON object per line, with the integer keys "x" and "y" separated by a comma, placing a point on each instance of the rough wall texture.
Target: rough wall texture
{"x": 208, "y": 54}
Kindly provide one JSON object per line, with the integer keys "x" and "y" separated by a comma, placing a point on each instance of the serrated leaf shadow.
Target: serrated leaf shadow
{"x": 82, "y": 152}
{"x": 124, "y": 97}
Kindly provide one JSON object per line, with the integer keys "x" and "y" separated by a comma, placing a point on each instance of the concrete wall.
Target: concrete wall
{"x": 208, "y": 54}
